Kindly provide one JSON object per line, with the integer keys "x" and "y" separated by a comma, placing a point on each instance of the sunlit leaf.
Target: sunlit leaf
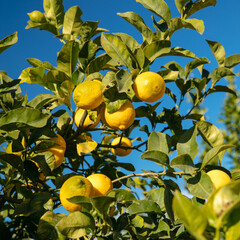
{"x": 42, "y": 100}
{"x": 220, "y": 88}
{"x": 156, "y": 156}
{"x": 180, "y": 4}
{"x": 124, "y": 80}
{"x": 159, "y": 7}
{"x": 194, "y": 64}
{"x": 143, "y": 206}
{"x": 116, "y": 49}
{"x": 33, "y": 75}
{"x": 232, "y": 60}
{"x": 183, "y": 162}
{"x": 8, "y": 42}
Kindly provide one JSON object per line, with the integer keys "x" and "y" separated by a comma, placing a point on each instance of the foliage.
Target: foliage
{"x": 30, "y": 205}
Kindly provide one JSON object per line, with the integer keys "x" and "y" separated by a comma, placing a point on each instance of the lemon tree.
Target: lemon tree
{"x": 66, "y": 170}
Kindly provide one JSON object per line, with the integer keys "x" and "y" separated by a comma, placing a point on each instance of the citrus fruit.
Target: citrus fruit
{"x": 87, "y": 122}
{"x": 219, "y": 178}
{"x": 37, "y": 16}
{"x": 121, "y": 119}
{"x": 75, "y": 186}
{"x": 125, "y": 142}
{"x": 149, "y": 87}
{"x": 88, "y": 94}
{"x": 58, "y": 151}
{"x": 101, "y": 184}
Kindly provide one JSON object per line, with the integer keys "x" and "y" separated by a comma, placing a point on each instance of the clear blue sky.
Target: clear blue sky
{"x": 221, "y": 24}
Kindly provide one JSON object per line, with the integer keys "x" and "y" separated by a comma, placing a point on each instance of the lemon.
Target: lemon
{"x": 121, "y": 119}
{"x": 219, "y": 178}
{"x": 37, "y": 16}
{"x": 125, "y": 142}
{"x": 87, "y": 122}
{"x": 75, "y": 186}
{"x": 58, "y": 151}
{"x": 88, "y": 94}
{"x": 101, "y": 184}
{"x": 149, "y": 87}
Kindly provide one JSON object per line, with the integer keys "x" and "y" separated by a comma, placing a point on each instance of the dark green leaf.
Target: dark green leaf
{"x": 157, "y": 157}
{"x": 143, "y": 206}
{"x": 219, "y": 88}
{"x": 8, "y": 42}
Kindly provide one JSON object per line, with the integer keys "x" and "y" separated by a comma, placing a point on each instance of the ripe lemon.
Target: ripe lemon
{"x": 149, "y": 87}
{"x": 87, "y": 122}
{"x": 125, "y": 142}
{"x": 101, "y": 184}
{"x": 88, "y": 95}
{"x": 219, "y": 178}
{"x": 75, "y": 186}
{"x": 58, "y": 151}
{"x": 121, "y": 119}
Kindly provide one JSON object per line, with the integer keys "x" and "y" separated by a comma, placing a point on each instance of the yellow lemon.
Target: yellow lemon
{"x": 219, "y": 178}
{"x": 101, "y": 184}
{"x": 88, "y": 94}
{"x": 58, "y": 151}
{"x": 75, "y": 186}
{"x": 121, "y": 119}
{"x": 149, "y": 87}
{"x": 87, "y": 122}
{"x": 125, "y": 142}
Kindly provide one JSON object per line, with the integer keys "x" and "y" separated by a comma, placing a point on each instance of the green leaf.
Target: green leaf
{"x": 54, "y": 12}
{"x": 122, "y": 195}
{"x": 42, "y": 100}
{"x": 37, "y": 63}
{"x": 232, "y": 60}
{"x": 180, "y": 52}
{"x": 187, "y": 143}
{"x": 157, "y": 49}
{"x": 129, "y": 41}
{"x": 180, "y": 4}
{"x": 220, "y": 88}
{"x": 72, "y": 21}
{"x": 143, "y": 206}
{"x": 210, "y": 133}
{"x": 13, "y": 160}
{"x": 159, "y": 141}
{"x": 194, "y": 64}
{"x": 75, "y": 225}
{"x": 157, "y": 195}
{"x": 68, "y": 57}
{"x": 8, "y": 41}
{"x": 102, "y": 204}
{"x": 218, "y": 52}
{"x": 47, "y": 225}
{"x": 159, "y": 7}
{"x": 158, "y": 157}
{"x": 193, "y": 7}
{"x": 136, "y": 20}
{"x": 213, "y": 153}
{"x": 200, "y": 185}
{"x": 33, "y": 75}
{"x": 232, "y": 232}
{"x": 219, "y": 73}
{"x": 21, "y": 118}
{"x": 183, "y": 162}
{"x": 115, "y": 48}
{"x": 193, "y": 218}
{"x": 97, "y": 63}
{"x": 178, "y": 23}
{"x": 124, "y": 80}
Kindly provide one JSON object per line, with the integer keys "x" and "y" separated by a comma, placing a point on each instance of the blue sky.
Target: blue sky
{"x": 221, "y": 24}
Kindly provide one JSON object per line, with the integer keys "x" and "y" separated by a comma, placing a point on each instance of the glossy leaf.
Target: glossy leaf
{"x": 193, "y": 7}
{"x": 213, "y": 153}
{"x": 68, "y": 57}
{"x": 232, "y": 60}
{"x": 22, "y": 118}
{"x": 159, "y": 141}
{"x": 129, "y": 41}
{"x": 54, "y": 12}
{"x": 143, "y": 206}
{"x": 33, "y": 75}
{"x": 42, "y": 100}
{"x": 180, "y": 52}
{"x": 183, "y": 162}
{"x": 157, "y": 49}
{"x": 47, "y": 225}
{"x": 159, "y": 7}
{"x": 220, "y": 88}
{"x": 200, "y": 185}
{"x": 8, "y": 41}
{"x": 193, "y": 218}
{"x": 187, "y": 143}
{"x": 156, "y": 156}
{"x": 115, "y": 48}
{"x": 137, "y": 21}
{"x": 218, "y": 52}
{"x": 194, "y": 64}
{"x": 210, "y": 133}
{"x": 75, "y": 224}
{"x": 72, "y": 21}
{"x": 219, "y": 73}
